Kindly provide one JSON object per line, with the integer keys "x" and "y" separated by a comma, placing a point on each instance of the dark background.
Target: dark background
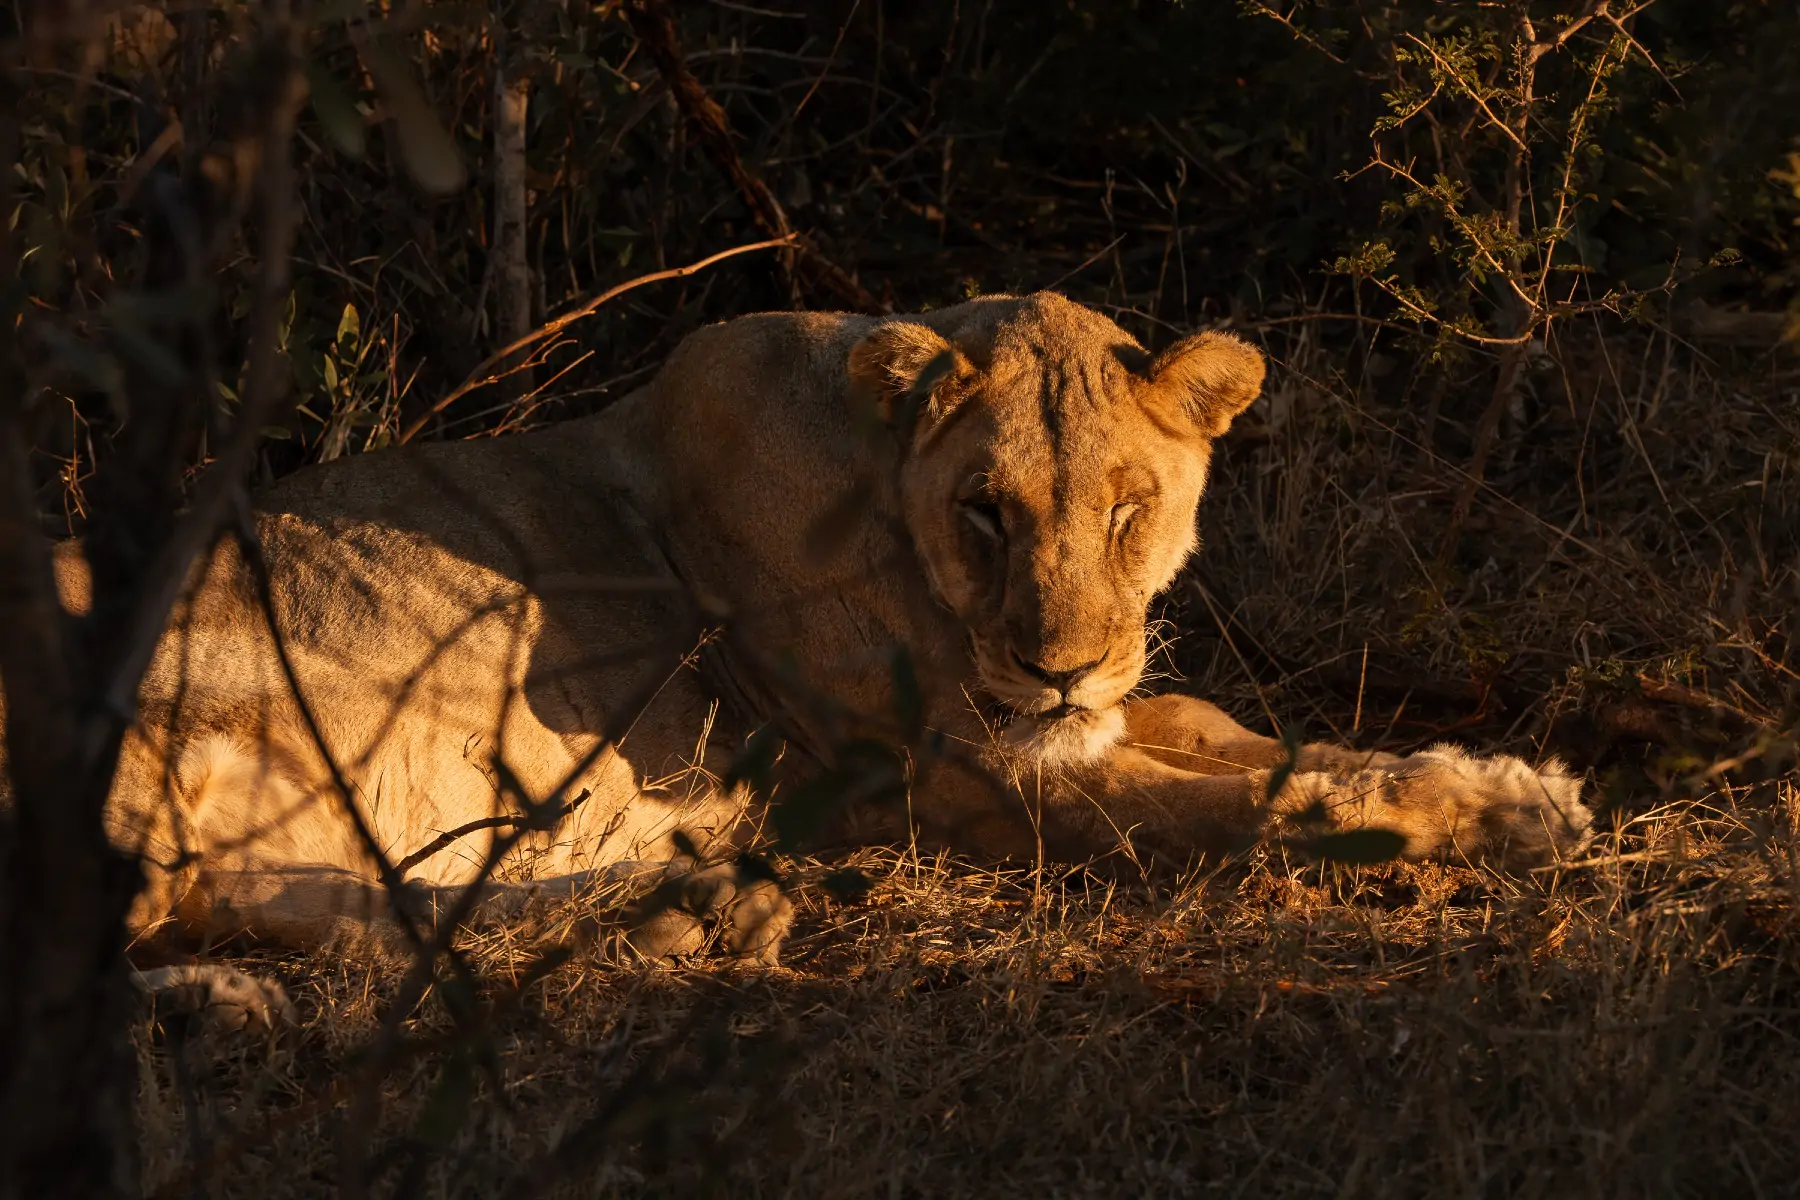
{"x": 1177, "y": 165}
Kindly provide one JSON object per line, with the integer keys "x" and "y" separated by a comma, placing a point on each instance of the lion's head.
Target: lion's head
{"x": 1049, "y": 476}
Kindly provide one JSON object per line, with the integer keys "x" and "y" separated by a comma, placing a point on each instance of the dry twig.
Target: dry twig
{"x": 485, "y": 373}
{"x": 655, "y": 28}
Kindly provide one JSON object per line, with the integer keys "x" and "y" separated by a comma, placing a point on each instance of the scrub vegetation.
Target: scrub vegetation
{"x": 1526, "y": 476}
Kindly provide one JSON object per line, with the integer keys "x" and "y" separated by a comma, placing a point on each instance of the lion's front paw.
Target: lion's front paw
{"x": 221, "y": 998}
{"x": 1501, "y": 808}
{"x": 748, "y": 916}
{"x": 1445, "y": 803}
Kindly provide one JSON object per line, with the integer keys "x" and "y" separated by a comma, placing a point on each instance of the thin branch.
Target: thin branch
{"x": 1468, "y": 90}
{"x": 1305, "y": 318}
{"x": 830, "y": 61}
{"x": 385, "y": 871}
{"x": 481, "y": 375}
{"x": 1287, "y": 21}
{"x": 512, "y": 283}
{"x": 1566, "y": 188}
{"x": 510, "y": 821}
{"x": 223, "y": 482}
{"x": 1542, "y": 46}
{"x": 1486, "y": 429}
{"x": 1618, "y": 23}
{"x": 1471, "y": 235}
{"x": 655, "y": 29}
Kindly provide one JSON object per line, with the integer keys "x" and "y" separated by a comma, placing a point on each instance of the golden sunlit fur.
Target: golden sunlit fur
{"x": 1000, "y": 488}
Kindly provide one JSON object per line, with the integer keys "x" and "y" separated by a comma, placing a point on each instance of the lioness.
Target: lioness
{"x": 1000, "y": 487}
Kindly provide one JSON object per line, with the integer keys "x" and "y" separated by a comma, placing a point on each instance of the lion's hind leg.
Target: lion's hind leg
{"x": 732, "y": 906}
{"x": 667, "y": 911}
{"x": 236, "y": 843}
{"x": 222, "y": 998}
{"x": 161, "y": 810}
{"x": 676, "y": 886}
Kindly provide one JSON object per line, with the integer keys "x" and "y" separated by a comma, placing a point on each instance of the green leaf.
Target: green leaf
{"x": 285, "y": 328}
{"x": 337, "y": 111}
{"x": 349, "y": 326}
{"x": 1360, "y": 846}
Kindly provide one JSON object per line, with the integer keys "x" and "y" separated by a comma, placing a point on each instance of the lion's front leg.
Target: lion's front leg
{"x": 1197, "y": 736}
{"x": 1188, "y": 779}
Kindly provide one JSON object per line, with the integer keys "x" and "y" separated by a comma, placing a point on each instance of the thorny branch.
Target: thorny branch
{"x": 1499, "y": 238}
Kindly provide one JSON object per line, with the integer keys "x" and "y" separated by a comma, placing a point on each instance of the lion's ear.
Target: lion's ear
{"x": 902, "y": 369}
{"x": 1212, "y": 376}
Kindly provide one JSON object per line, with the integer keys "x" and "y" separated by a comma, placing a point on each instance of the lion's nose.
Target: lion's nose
{"x": 1062, "y": 681}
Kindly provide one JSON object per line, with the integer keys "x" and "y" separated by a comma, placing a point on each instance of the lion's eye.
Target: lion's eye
{"x": 985, "y": 518}
{"x": 1121, "y": 517}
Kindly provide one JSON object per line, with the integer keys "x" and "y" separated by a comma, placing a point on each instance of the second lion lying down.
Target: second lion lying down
{"x": 1001, "y": 488}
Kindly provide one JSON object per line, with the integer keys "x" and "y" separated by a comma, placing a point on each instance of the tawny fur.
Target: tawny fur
{"x": 467, "y": 619}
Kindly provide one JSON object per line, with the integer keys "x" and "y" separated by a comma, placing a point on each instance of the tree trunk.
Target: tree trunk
{"x": 66, "y": 1065}
{"x": 68, "y": 685}
{"x": 512, "y": 270}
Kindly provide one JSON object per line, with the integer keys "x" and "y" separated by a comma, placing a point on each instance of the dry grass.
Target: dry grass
{"x": 1623, "y": 1027}
{"x": 1622, "y": 594}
